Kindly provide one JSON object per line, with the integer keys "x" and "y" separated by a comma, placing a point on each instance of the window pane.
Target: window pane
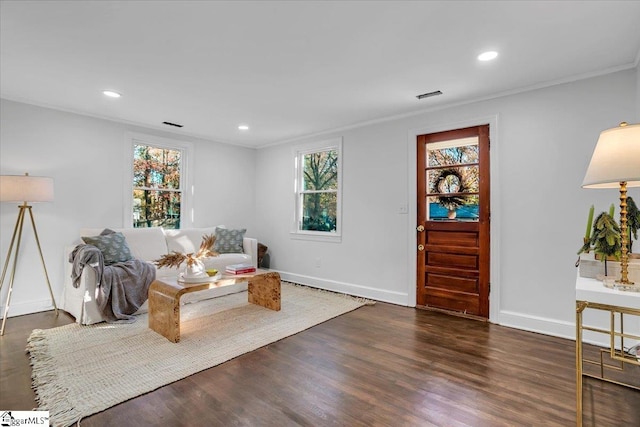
{"x": 467, "y": 211}
{"x": 152, "y": 208}
{"x": 319, "y": 211}
{"x": 156, "y": 167}
{"x": 453, "y": 152}
{"x": 320, "y": 170}
{"x": 460, "y": 179}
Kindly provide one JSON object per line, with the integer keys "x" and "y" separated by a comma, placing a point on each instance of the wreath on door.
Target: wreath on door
{"x": 451, "y": 181}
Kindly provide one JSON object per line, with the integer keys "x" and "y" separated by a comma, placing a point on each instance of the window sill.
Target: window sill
{"x": 317, "y": 237}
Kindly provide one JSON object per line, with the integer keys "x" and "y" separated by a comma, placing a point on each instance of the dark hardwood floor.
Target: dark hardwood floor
{"x": 380, "y": 365}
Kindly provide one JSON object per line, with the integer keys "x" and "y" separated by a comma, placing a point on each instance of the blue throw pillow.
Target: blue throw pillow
{"x": 113, "y": 246}
{"x": 229, "y": 241}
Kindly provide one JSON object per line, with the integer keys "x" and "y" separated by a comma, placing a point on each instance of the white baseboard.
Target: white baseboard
{"x": 556, "y": 328}
{"x": 512, "y": 319}
{"x": 399, "y": 298}
{"x": 28, "y": 307}
{"x": 542, "y": 325}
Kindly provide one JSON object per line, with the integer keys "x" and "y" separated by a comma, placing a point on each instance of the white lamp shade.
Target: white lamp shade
{"x": 25, "y": 188}
{"x": 615, "y": 159}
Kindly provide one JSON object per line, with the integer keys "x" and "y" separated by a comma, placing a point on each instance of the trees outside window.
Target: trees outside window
{"x": 157, "y": 190}
{"x": 318, "y": 187}
{"x": 155, "y": 193}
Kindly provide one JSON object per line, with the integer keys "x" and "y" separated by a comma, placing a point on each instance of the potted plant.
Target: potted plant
{"x": 605, "y": 239}
{"x": 195, "y": 267}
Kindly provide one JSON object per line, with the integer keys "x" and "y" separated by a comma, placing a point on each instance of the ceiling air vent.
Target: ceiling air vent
{"x": 172, "y": 124}
{"x": 429, "y": 94}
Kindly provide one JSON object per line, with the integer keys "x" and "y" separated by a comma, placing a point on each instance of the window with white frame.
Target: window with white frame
{"x": 156, "y": 189}
{"x": 318, "y": 188}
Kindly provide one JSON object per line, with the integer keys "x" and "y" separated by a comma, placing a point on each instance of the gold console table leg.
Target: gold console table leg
{"x": 580, "y": 306}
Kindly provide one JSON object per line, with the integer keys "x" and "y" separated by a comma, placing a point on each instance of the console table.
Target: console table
{"x": 592, "y": 294}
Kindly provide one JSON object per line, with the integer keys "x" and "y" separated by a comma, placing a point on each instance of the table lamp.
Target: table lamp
{"x": 23, "y": 189}
{"x": 616, "y": 163}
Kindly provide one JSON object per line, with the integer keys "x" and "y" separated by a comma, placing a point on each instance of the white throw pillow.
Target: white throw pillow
{"x": 147, "y": 244}
{"x": 187, "y": 240}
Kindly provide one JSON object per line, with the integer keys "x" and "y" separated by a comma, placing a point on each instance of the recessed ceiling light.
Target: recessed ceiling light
{"x": 488, "y": 56}
{"x": 243, "y": 127}
{"x": 111, "y": 94}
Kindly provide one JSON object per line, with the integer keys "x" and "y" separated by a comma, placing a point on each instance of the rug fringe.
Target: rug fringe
{"x": 44, "y": 382}
{"x": 361, "y": 300}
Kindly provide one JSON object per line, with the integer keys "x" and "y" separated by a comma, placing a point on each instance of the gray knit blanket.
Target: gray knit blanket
{"x": 122, "y": 287}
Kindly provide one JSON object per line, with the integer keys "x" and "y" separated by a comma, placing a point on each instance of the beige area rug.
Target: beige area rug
{"x": 81, "y": 370}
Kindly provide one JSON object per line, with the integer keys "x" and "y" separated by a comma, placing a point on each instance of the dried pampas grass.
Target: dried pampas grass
{"x": 174, "y": 259}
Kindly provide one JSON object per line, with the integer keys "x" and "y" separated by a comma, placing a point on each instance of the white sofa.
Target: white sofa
{"x": 149, "y": 244}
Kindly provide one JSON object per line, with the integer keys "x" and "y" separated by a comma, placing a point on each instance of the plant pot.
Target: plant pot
{"x": 195, "y": 270}
{"x": 594, "y": 269}
{"x": 598, "y": 257}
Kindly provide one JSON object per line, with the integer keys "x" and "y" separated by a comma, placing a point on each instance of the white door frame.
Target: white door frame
{"x": 494, "y": 274}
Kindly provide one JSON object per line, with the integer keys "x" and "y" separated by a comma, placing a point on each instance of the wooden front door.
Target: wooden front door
{"x": 453, "y": 221}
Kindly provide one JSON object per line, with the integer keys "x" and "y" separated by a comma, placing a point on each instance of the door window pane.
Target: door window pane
{"x": 453, "y": 179}
{"x": 453, "y": 152}
{"x": 460, "y": 179}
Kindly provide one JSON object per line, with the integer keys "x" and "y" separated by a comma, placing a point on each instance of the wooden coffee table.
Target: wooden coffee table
{"x": 165, "y": 293}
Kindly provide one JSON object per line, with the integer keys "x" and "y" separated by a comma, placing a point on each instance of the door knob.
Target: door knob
{"x": 420, "y": 228}
{"x": 421, "y": 247}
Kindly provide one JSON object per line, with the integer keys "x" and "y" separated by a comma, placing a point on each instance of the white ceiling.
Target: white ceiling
{"x": 290, "y": 69}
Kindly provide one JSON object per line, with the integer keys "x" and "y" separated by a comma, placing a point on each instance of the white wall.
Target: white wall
{"x": 85, "y": 156}
{"x": 638, "y": 91}
{"x": 543, "y": 144}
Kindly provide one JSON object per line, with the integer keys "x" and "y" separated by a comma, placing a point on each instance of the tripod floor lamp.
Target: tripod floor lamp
{"x": 23, "y": 189}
